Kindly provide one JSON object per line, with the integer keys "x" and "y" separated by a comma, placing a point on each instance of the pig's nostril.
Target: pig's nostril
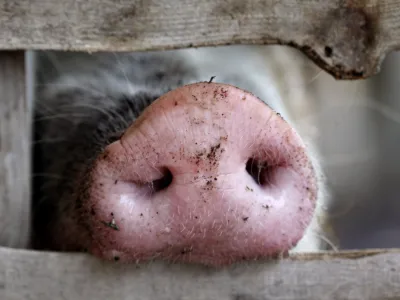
{"x": 260, "y": 171}
{"x": 163, "y": 182}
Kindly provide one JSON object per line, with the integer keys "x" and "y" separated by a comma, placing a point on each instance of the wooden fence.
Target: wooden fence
{"x": 347, "y": 38}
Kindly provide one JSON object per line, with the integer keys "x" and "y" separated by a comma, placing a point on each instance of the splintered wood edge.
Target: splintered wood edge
{"x": 356, "y": 275}
{"x": 349, "y": 39}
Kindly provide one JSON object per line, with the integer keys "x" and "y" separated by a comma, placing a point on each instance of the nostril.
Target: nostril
{"x": 163, "y": 182}
{"x": 260, "y": 171}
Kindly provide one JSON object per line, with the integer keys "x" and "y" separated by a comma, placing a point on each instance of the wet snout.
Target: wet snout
{"x": 207, "y": 174}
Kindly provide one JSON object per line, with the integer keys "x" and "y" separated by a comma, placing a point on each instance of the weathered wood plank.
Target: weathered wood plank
{"x": 15, "y": 140}
{"x": 372, "y": 275}
{"x": 347, "y": 38}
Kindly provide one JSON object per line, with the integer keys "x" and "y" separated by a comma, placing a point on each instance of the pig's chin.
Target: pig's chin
{"x": 209, "y": 175}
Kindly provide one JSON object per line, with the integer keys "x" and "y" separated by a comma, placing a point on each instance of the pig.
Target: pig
{"x": 190, "y": 156}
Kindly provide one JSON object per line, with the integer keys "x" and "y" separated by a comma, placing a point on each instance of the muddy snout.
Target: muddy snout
{"x": 207, "y": 174}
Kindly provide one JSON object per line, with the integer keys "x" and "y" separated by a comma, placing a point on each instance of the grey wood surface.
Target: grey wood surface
{"x": 15, "y": 141}
{"x": 347, "y": 38}
{"x": 372, "y": 275}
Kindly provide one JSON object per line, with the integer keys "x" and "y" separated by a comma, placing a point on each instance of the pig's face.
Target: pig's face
{"x": 202, "y": 172}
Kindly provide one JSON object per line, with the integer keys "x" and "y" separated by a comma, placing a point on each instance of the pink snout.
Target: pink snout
{"x": 207, "y": 174}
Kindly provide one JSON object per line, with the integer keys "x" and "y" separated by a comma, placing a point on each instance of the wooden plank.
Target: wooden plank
{"x": 347, "y": 38}
{"x": 15, "y": 140}
{"x": 368, "y": 275}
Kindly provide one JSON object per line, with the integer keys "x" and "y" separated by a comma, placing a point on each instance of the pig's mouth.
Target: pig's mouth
{"x": 208, "y": 174}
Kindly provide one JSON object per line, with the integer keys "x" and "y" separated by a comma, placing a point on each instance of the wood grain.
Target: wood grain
{"x": 372, "y": 275}
{"x": 347, "y": 38}
{"x": 15, "y": 140}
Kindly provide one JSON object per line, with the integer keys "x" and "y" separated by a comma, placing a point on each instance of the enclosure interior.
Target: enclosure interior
{"x": 359, "y": 126}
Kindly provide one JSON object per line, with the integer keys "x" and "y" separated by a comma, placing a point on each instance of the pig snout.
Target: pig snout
{"x": 207, "y": 174}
